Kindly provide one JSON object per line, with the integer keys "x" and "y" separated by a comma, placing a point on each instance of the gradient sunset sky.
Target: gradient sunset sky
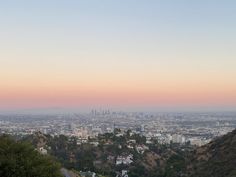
{"x": 122, "y": 54}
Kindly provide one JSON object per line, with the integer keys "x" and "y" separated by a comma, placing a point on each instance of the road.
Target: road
{"x": 65, "y": 172}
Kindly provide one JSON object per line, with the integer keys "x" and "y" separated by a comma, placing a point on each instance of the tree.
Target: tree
{"x": 21, "y": 159}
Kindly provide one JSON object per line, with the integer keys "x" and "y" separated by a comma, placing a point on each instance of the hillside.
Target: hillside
{"x": 111, "y": 154}
{"x": 216, "y": 159}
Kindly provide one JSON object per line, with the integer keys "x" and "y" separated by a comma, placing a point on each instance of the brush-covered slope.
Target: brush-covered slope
{"x": 216, "y": 159}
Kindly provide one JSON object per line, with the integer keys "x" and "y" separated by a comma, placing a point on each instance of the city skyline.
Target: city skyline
{"x": 121, "y": 55}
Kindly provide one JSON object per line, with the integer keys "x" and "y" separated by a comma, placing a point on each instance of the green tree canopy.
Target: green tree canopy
{"x": 21, "y": 159}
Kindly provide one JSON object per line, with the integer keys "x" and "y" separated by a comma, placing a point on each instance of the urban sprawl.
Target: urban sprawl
{"x": 194, "y": 128}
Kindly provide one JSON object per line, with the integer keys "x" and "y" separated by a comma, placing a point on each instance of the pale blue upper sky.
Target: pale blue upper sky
{"x": 107, "y": 24}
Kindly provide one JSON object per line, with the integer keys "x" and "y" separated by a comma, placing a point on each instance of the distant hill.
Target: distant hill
{"x": 216, "y": 159}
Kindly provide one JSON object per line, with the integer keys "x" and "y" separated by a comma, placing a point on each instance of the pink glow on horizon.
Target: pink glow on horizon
{"x": 82, "y": 97}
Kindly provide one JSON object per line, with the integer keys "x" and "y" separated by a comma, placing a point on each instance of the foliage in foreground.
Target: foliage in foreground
{"x": 21, "y": 159}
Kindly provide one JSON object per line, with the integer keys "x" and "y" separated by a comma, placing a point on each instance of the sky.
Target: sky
{"x": 127, "y": 54}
